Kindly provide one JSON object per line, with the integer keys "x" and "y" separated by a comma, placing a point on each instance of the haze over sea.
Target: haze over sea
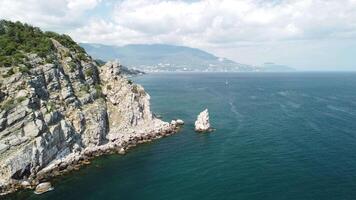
{"x": 278, "y": 136}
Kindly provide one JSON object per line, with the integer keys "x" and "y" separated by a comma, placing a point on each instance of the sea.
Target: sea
{"x": 277, "y": 136}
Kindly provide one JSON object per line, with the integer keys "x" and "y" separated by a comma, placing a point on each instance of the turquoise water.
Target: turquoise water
{"x": 278, "y": 136}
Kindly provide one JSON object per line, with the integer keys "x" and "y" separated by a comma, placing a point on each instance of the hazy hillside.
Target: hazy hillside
{"x": 160, "y": 57}
{"x": 272, "y": 67}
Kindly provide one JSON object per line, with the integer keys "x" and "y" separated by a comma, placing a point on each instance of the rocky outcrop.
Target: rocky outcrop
{"x": 125, "y": 71}
{"x": 43, "y": 187}
{"x": 57, "y": 115}
{"x": 202, "y": 124}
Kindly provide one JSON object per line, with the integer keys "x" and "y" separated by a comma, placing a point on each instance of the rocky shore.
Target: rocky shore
{"x": 75, "y": 160}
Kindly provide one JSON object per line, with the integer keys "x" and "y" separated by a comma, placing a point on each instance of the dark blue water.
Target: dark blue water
{"x": 278, "y": 136}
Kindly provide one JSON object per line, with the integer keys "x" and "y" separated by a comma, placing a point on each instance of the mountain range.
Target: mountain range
{"x": 163, "y": 57}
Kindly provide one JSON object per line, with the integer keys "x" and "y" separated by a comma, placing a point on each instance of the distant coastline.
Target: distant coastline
{"x": 166, "y": 58}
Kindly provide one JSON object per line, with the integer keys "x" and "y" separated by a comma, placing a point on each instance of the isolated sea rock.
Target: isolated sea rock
{"x": 177, "y": 122}
{"x": 202, "y": 124}
{"x": 43, "y": 187}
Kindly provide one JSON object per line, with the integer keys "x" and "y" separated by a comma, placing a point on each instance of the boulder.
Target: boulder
{"x": 43, "y": 187}
{"x": 180, "y": 122}
{"x": 52, "y": 118}
{"x": 202, "y": 124}
{"x": 22, "y": 94}
{"x": 173, "y": 122}
{"x": 31, "y": 129}
{"x": 122, "y": 151}
{"x": 67, "y": 92}
{"x": 25, "y": 184}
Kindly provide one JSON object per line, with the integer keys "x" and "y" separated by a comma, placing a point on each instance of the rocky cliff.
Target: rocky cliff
{"x": 59, "y": 109}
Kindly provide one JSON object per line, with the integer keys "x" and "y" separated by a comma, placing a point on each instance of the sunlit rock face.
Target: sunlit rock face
{"x": 202, "y": 124}
{"x": 64, "y": 110}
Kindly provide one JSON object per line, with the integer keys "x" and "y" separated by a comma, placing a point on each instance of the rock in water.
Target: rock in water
{"x": 203, "y": 123}
{"x": 180, "y": 122}
{"x": 43, "y": 187}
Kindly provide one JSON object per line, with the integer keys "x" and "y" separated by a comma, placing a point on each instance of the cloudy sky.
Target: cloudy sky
{"x": 304, "y": 34}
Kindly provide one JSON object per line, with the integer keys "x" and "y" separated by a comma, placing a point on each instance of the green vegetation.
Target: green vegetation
{"x": 24, "y": 69}
{"x": 134, "y": 89}
{"x": 89, "y": 72}
{"x": 50, "y": 106}
{"x": 67, "y": 54}
{"x": 108, "y": 87}
{"x": 66, "y": 41}
{"x": 72, "y": 66}
{"x": 11, "y": 103}
{"x": 85, "y": 88}
{"x": 21, "y": 99}
{"x": 98, "y": 90}
{"x": 9, "y": 73}
{"x": 50, "y": 58}
{"x": 129, "y": 82}
{"x": 82, "y": 56}
{"x": 8, "y": 105}
{"x": 21, "y": 86}
{"x": 17, "y": 40}
{"x": 99, "y": 62}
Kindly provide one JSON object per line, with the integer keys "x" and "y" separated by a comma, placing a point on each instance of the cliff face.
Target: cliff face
{"x": 57, "y": 114}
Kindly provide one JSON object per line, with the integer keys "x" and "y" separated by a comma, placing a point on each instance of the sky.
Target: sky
{"x": 308, "y": 35}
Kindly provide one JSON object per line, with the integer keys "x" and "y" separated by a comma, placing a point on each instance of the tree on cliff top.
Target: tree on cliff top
{"x": 18, "y": 39}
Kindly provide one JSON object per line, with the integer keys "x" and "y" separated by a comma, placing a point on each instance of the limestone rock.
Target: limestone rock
{"x": 21, "y": 94}
{"x": 2, "y": 123}
{"x": 25, "y": 184}
{"x": 43, "y": 187}
{"x": 67, "y": 111}
{"x": 3, "y": 147}
{"x": 202, "y": 124}
{"x": 31, "y": 129}
{"x": 52, "y": 118}
{"x": 180, "y": 122}
{"x": 177, "y": 122}
{"x": 16, "y": 116}
{"x": 122, "y": 151}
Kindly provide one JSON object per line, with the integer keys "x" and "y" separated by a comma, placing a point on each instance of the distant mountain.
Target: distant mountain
{"x": 272, "y": 67}
{"x": 161, "y": 57}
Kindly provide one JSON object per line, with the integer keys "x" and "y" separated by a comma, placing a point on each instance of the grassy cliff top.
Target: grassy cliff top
{"x": 18, "y": 40}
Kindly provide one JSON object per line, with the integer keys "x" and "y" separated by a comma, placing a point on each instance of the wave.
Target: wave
{"x": 339, "y": 109}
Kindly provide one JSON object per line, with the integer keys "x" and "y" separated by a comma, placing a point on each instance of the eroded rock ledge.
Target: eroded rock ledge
{"x": 57, "y": 116}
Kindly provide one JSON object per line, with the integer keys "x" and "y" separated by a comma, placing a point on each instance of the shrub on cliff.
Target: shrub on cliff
{"x": 18, "y": 39}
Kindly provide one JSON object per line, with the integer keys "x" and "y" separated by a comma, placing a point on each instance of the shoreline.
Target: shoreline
{"x": 75, "y": 161}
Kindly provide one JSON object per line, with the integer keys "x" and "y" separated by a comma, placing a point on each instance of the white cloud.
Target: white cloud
{"x": 214, "y": 22}
{"x": 206, "y": 22}
{"x": 82, "y": 4}
{"x": 61, "y": 15}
